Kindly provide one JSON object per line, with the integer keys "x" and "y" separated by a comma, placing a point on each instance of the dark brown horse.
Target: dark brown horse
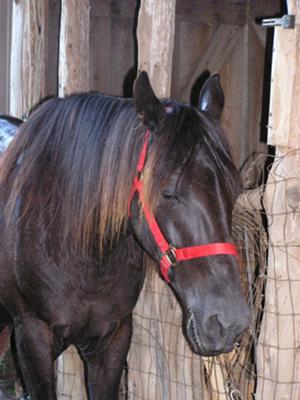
{"x": 90, "y": 184}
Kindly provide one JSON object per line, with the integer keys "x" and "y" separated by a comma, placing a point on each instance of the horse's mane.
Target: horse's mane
{"x": 77, "y": 157}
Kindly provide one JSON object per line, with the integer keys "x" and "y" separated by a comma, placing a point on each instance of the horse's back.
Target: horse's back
{"x": 8, "y": 127}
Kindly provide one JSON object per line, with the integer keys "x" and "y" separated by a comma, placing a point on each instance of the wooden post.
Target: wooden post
{"x": 155, "y": 34}
{"x": 278, "y": 355}
{"x": 5, "y": 38}
{"x": 28, "y": 55}
{"x": 74, "y": 46}
{"x": 73, "y": 77}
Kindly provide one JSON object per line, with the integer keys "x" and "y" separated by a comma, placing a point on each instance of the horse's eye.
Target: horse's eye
{"x": 170, "y": 196}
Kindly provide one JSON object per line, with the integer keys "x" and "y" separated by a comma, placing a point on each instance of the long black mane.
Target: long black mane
{"x": 79, "y": 154}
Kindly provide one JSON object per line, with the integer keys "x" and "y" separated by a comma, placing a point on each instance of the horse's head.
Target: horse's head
{"x": 181, "y": 213}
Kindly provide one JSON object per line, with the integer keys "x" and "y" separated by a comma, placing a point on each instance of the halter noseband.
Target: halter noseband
{"x": 171, "y": 255}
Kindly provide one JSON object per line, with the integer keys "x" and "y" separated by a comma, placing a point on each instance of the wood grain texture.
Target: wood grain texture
{"x": 73, "y": 77}
{"x": 74, "y": 47}
{"x": 213, "y": 57}
{"x": 278, "y": 355}
{"x": 284, "y": 118}
{"x": 233, "y": 12}
{"x": 155, "y": 34}
{"x": 5, "y": 37}
{"x": 28, "y": 55}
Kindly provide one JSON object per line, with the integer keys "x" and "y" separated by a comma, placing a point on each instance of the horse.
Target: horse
{"x": 91, "y": 187}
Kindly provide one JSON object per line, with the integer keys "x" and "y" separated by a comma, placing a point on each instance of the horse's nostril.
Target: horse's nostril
{"x": 214, "y": 327}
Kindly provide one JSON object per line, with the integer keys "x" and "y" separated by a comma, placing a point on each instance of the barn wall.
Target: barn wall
{"x": 223, "y": 37}
{"x": 112, "y": 44}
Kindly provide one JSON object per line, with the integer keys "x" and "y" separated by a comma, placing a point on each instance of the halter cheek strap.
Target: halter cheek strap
{"x": 171, "y": 255}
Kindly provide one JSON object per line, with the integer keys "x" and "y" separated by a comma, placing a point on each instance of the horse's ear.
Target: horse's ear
{"x": 147, "y": 105}
{"x": 211, "y": 98}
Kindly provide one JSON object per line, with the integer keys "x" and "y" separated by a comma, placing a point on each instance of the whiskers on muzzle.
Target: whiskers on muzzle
{"x": 209, "y": 336}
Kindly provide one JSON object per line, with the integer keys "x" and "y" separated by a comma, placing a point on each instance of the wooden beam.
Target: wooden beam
{"x": 278, "y": 358}
{"x": 212, "y": 12}
{"x": 73, "y": 77}
{"x": 284, "y": 117}
{"x": 230, "y": 12}
{"x": 264, "y": 8}
{"x": 5, "y": 37}
{"x": 74, "y": 47}
{"x": 260, "y": 32}
{"x": 155, "y": 34}
{"x": 28, "y": 55}
{"x": 112, "y": 8}
{"x": 214, "y": 56}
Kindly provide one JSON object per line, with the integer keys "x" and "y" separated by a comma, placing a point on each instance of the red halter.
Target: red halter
{"x": 170, "y": 254}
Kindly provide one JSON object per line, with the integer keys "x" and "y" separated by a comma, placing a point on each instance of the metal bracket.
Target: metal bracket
{"x": 286, "y": 22}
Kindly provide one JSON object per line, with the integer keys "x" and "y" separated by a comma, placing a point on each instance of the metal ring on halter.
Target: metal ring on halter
{"x": 170, "y": 255}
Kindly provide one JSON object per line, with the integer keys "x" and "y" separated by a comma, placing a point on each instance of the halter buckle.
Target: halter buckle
{"x": 170, "y": 255}
{"x": 139, "y": 175}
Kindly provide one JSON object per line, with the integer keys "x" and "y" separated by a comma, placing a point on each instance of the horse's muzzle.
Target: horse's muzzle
{"x": 211, "y": 337}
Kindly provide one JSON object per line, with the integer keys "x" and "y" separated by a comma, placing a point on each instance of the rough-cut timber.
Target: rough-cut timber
{"x": 155, "y": 34}
{"x": 28, "y": 55}
{"x": 225, "y": 12}
{"x": 74, "y": 46}
{"x": 73, "y": 77}
{"x": 278, "y": 348}
{"x": 5, "y": 38}
{"x": 284, "y": 118}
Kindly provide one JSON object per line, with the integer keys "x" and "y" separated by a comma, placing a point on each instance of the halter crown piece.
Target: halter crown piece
{"x": 170, "y": 255}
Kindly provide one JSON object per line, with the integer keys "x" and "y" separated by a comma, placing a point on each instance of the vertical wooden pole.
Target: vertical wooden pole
{"x": 278, "y": 347}
{"x": 155, "y": 34}
{"x": 74, "y": 46}
{"x": 28, "y": 55}
{"x": 5, "y": 38}
{"x": 73, "y": 77}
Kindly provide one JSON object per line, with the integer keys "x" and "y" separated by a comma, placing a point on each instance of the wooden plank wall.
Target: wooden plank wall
{"x": 112, "y": 44}
{"x": 223, "y": 37}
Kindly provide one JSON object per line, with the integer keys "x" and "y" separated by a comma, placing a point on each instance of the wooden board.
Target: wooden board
{"x": 112, "y": 45}
{"x": 28, "y": 55}
{"x": 155, "y": 34}
{"x": 5, "y": 37}
{"x": 284, "y": 118}
{"x": 234, "y": 12}
{"x": 278, "y": 359}
{"x": 74, "y": 49}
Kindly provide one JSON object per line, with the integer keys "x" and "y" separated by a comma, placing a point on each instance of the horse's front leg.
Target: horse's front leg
{"x": 104, "y": 369}
{"x": 34, "y": 345}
